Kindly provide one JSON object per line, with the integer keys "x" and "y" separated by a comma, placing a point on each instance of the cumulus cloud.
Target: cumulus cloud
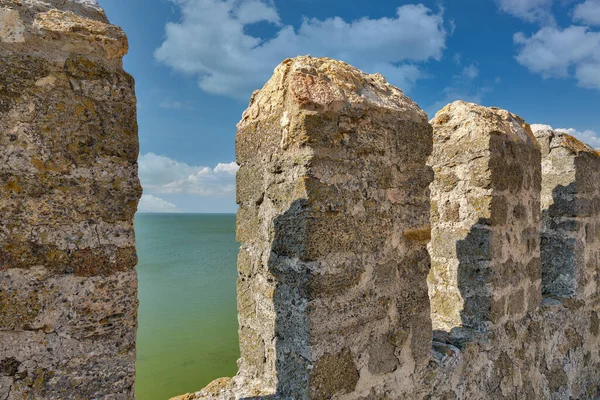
{"x": 149, "y": 203}
{"x": 588, "y": 136}
{"x": 160, "y": 174}
{"x": 471, "y": 72}
{"x": 212, "y": 42}
{"x": 556, "y": 52}
{"x": 528, "y": 10}
{"x": 588, "y": 12}
{"x": 174, "y": 105}
{"x": 457, "y": 58}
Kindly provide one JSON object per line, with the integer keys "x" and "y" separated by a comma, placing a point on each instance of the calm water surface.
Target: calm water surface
{"x": 187, "y": 333}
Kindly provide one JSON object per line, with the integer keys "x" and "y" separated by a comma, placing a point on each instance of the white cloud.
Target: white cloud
{"x": 588, "y": 12}
{"x": 252, "y": 11}
{"x": 452, "y": 27}
{"x": 471, "y": 72}
{"x": 160, "y": 174}
{"x": 149, "y": 203}
{"x": 528, "y": 10}
{"x": 588, "y": 136}
{"x": 457, "y": 58}
{"x": 211, "y": 42}
{"x": 588, "y": 74}
{"x": 174, "y": 105}
{"x": 555, "y": 52}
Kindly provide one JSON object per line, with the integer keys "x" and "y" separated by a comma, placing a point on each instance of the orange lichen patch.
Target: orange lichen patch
{"x": 51, "y": 165}
{"x": 441, "y": 119}
{"x": 577, "y": 146}
{"x": 188, "y": 396}
{"x": 527, "y": 129}
{"x": 216, "y": 387}
{"x": 39, "y": 164}
{"x": 418, "y": 235}
{"x": 104, "y": 260}
{"x": 13, "y": 185}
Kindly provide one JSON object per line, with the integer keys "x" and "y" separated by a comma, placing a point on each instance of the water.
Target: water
{"x": 187, "y": 333}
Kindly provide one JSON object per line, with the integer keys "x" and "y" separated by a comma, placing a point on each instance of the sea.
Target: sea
{"x": 187, "y": 334}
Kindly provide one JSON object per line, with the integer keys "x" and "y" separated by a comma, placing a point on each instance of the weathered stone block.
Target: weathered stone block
{"x": 495, "y": 161}
{"x": 570, "y": 211}
{"x": 333, "y": 194}
{"x": 68, "y": 193}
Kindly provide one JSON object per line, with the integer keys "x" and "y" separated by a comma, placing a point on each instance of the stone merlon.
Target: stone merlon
{"x": 68, "y": 193}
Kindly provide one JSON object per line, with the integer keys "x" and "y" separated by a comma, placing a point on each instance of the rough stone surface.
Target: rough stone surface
{"x": 305, "y": 310}
{"x": 333, "y": 222}
{"x": 488, "y": 173}
{"x": 485, "y": 215}
{"x": 570, "y": 216}
{"x": 68, "y": 193}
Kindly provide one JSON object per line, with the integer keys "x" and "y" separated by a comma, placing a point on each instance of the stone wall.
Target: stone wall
{"x": 333, "y": 222}
{"x": 332, "y": 292}
{"x": 570, "y": 216}
{"x": 520, "y": 346}
{"x": 485, "y": 203}
{"x": 68, "y": 194}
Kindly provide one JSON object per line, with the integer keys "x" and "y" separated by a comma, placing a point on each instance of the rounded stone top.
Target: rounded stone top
{"x": 481, "y": 120}
{"x": 62, "y": 28}
{"x": 324, "y": 84}
{"x": 88, "y": 3}
{"x": 563, "y": 139}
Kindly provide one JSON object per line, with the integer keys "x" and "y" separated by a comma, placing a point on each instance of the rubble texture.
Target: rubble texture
{"x": 68, "y": 194}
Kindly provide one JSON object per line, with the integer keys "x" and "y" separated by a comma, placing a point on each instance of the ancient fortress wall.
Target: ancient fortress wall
{"x": 335, "y": 281}
{"x": 68, "y": 193}
{"x": 485, "y": 247}
{"x": 570, "y": 216}
{"x": 333, "y": 224}
{"x": 340, "y": 177}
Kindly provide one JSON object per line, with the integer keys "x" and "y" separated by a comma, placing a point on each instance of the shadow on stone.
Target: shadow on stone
{"x": 288, "y": 264}
{"x": 298, "y": 283}
{"x": 559, "y": 246}
{"x": 474, "y": 275}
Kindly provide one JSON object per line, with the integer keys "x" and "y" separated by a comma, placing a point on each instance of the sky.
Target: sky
{"x": 196, "y": 63}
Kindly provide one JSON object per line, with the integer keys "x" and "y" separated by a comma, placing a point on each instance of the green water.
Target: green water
{"x": 187, "y": 333}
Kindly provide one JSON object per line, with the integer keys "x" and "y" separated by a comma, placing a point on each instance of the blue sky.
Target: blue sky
{"x": 196, "y": 62}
